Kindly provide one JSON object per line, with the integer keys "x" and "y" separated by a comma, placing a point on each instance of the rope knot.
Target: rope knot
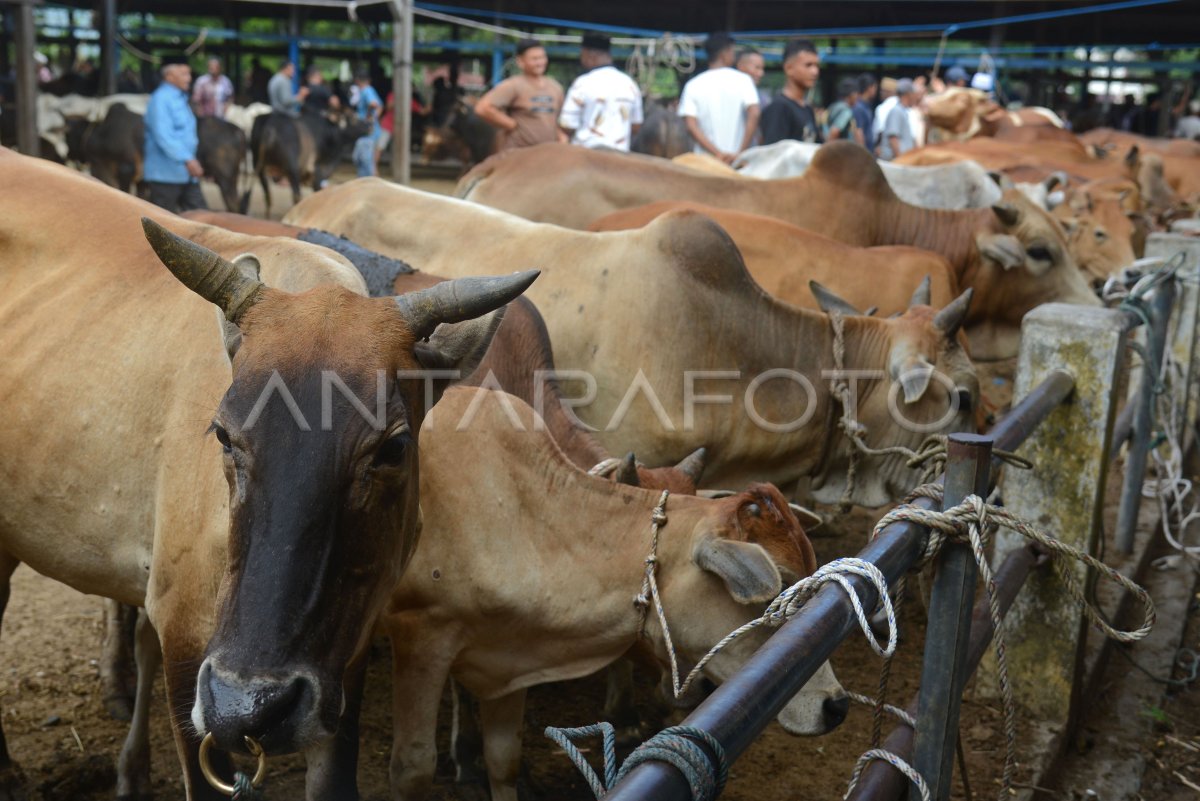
{"x": 658, "y": 518}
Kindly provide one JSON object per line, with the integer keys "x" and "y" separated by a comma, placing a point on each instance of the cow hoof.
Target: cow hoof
{"x": 472, "y": 791}
{"x": 13, "y": 784}
{"x": 119, "y": 707}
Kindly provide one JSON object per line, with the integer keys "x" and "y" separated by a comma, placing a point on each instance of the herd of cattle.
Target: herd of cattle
{"x": 239, "y": 444}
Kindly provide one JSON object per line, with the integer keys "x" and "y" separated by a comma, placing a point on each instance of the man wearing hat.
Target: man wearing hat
{"x": 897, "y": 137}
{"x": 603, "y": 107}
{"x": 171, "y": 170}
{"x": 956, "y": 76}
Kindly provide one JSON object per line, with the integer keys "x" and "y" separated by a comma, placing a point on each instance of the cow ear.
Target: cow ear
{"x": 1069, "y": 224}
{"x": 912, "y": 371}
{"x": 1132, "y": 158}
{"x": 830, "y": 302}
{"x": 457, "y": 348}
{"x": 249, "y": 266}
{"x": 748, "y": 572}
{"x": 1003, "y": 249}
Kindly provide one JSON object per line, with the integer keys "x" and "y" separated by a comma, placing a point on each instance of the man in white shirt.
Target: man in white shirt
{"x": 603, "y": 106}
{"x": 720, "y": 105}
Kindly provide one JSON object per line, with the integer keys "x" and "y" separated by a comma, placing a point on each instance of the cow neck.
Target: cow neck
{"x": 948, "y": 232}
{"x": 861, "y": 336}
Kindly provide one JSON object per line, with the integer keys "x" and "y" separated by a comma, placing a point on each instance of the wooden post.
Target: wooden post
{"x": 27, "y": 84}
{"x": 110, "y": 62}
{"x": 402, "y": 70}
{"x": 1063, "y": 493}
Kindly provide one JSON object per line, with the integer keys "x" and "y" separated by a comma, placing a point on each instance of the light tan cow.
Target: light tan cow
{"x": 1101, "y": 232}
{"x": 1180, "y": 157}
{"x": 641, "y": 309}
{"x": 959, "y": 113}
{"x": 151, "y": 456}
{"x": 536, "y": 586}
{"x": 783, "y": 259}
{"x": 1014, "y": 255}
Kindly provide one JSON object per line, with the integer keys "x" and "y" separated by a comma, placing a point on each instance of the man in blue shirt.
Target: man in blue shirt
{"x": 171, "y": 170}
{"x": 864, "y": 113}
{"x": 368, "y": 107}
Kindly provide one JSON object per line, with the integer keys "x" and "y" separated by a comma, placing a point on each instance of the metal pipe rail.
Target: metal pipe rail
{"x": 738, "y": 711}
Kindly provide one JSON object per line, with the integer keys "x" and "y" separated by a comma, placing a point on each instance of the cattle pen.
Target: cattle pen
{"x": 1073, "y": 417}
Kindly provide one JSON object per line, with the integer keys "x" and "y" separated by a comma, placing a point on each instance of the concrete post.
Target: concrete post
{"x": 27, "y": 82}
{"x": 1064, "y": 493}
{"x": 402, "y": 76}
{"x": 1185, "y": 322}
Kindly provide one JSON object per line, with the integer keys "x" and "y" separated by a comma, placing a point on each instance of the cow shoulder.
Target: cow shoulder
{"x": 700, "y": 248}
{"x": 850, "y": 167}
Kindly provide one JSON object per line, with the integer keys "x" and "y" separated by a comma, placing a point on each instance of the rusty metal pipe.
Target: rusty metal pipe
{"x": 882, "y": 782}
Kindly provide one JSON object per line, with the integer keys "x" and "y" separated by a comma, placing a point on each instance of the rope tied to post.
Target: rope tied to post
{"x": 678, "y": 746}
{"x": 929, "y": 457}
{"x": 973, "y": 522}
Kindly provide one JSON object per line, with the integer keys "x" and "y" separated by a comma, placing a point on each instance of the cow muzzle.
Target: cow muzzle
{"x": 282, "y": 712}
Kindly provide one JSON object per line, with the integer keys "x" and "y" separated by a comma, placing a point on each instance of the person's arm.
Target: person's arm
{"x": 488, "y": 108}
{"x": 636, "y": 115}
{"x": 752, "y": 116}
{"x": 693, "y": 127}
{"x": 893, "y": 145}
{"x": 773, "y": 122}
{"x": 571, "y": 116}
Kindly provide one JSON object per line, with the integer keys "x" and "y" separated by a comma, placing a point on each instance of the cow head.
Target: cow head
{"x": 681, "y": 479}
{"x": 739, "y": 557}
{"x": 1100, "y": 234}
{"x": 318, "y": 435}
{"x": 909, "y": 377}
{"x": 1023, "y": 261}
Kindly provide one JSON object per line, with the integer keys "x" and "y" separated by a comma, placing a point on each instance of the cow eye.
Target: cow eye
{"x": 1039, "y": 253}
{"x": 965, "y": 402}
{"x": 753, "y": 510}
{"x": 393, "y": 450}
{"x": 1101, "y": 234}
{"x": 222, "y": 437}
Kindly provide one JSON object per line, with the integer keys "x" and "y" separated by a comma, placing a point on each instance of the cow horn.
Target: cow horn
{"x": 1056, "y": 178}
{"x": 921, "y": 297}
{"x": 693, "y": 465}
{"x": 626, "y": 472}
{"x": 204, "y": 272}
{"x": 951, "y": 318}
{"x": 1008, "y": 213}
{"x": 829, "y": 302}
{"x": 459, "y": 300}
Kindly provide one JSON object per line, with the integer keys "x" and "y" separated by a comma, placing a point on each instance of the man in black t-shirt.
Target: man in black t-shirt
{"x": 790, "y": 116}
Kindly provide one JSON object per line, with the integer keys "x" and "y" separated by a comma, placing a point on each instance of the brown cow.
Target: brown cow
{"x": 783, "y": 259}
{"x": 1180, "y": 157}
{"x": 1102, "y": 234}
{"x": 1014, "y": 255}
{"x": 110, "y": 482}
{"x": 959, "y": 113}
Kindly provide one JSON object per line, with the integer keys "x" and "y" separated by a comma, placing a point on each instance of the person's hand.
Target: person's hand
{"x": 726, "y": 158}
{"x": 512, "y": 126}
{"x": 194, "y": 169}
{"x": 303, "y": 93}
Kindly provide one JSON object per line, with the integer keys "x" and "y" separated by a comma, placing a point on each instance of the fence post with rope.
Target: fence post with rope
{"x": 944, "y": 670}
{"x": 1063, "y": 493}
{"x": 1186, "y": 322}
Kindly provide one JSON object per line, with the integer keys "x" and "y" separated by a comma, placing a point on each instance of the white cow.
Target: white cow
{"x": 961, "y": 185}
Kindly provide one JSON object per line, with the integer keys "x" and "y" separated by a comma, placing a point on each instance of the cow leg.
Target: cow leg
{"x": 118, "y": 679}
{"x": 466, "y": 739}
{"x": 294, "y": 180}
{"x": 420, "y": 666}
{"x": 502, "y": 720}
{"x": 333, "y": 765}
{"x": 262, "y": 177}
{"x": 181, "y": 667}
{"x": 12, "y": 779}
{"x": 133, "y": 767}
{"x": 619, "y": 706}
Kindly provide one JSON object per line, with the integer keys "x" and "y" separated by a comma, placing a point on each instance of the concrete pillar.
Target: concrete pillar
{"x": 402, "y": 71}
{"x": 1185, "y": 322}
{"x": 1063, "y": 493}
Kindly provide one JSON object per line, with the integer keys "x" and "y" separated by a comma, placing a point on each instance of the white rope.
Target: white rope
{"x": 893, "y": 760}
{"x": 142, "y": 55}
{"x": 669, "y": 52}
{"x": 785, "y": 605}
{"x": 514, "y": 33}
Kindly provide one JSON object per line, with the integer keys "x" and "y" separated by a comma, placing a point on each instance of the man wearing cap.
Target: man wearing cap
{"x": 983, "y": 82}
{"x": 897, "y": 136}
{"x": 171, "y": 170}
{"x": 956, "y": 76}
{"x": 720, "y": 105}
{"x": 525, "y": 107}
{"x": 603, "y": 106}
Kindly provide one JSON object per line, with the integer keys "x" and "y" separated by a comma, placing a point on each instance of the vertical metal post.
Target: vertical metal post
{"x": 110, "y": 62}
{"x": 294, "y": 46}
{"x": 27, "y": 84}
{"x": 1143, "y": 419}
{"x": 1186, "y": 324}
{"x": 944, "y": 670}
{"x": 402, "y": 72}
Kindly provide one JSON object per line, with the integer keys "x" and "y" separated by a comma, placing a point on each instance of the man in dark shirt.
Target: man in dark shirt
{"x": 790, "y": 116}
{"x": 320, "y": 97}
{"x": 864, "y": 111}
